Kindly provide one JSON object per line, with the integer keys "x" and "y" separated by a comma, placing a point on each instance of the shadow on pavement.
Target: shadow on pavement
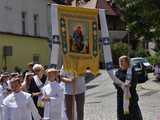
{"x": 91, "y": 86}
{"x": 156, "y": 81}
{"x": 89, "y": 77}
{"x": 92, "y": 94}
{"x": 106, "y": 95}
{"x": 150, "y": 93}
{"x": 96, "y": 102}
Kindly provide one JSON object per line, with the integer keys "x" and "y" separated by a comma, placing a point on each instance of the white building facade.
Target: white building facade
{"x": 24, "y": 17}
{"x": 24, "y": 33}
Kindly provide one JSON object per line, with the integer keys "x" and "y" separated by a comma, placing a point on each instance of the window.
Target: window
{"x": 36, "y": 22}
{"x": 7, "y": 51}
{"x": 36, "y": 58}
{"x": 23, "y": 15}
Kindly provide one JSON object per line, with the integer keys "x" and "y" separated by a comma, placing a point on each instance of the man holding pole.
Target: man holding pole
{"x": 74, "y": 93}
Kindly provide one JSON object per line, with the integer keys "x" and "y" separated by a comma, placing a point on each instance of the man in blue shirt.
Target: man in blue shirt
{"x": 74, "y": 88}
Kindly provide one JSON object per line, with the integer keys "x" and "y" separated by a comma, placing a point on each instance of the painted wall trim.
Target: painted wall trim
{"x": 15, "y": 34}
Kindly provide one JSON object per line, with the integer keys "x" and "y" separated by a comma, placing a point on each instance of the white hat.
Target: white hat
{"x": 51, "y": 70}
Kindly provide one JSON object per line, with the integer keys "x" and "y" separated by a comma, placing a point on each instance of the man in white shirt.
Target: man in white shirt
{"x": 19, "y": 105}
{"x": 53, "y": 97}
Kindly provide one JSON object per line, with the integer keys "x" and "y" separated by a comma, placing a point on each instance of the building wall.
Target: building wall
{"x": 11, "y": 18}
{"x": 23, "y": 50}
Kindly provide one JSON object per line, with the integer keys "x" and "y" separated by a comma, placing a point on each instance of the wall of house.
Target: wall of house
{"x": 23, "y": 50}
{"x": 11, "y": 16}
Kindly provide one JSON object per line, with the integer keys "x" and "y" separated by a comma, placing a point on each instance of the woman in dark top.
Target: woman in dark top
{"x": 36, "y": 85}
{"x": 134, "y": 110}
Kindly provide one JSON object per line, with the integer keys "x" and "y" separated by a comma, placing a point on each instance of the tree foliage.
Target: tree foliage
{"x": 139, "y": 52}
{"x": 142, "y": 17}
{"x": 154, "y": 59}
{"x": 118, "y": 49}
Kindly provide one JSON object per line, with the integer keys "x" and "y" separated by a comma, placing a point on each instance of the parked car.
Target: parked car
{"x": 140, "y": 72}
{"x": 146, "y": 64}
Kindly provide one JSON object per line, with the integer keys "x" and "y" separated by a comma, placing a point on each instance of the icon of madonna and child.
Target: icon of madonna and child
{"x": 78, "y": 42}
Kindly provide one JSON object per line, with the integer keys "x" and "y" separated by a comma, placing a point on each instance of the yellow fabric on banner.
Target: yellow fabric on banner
{"x": 86, "y": 54}
{"x": 77, "y": 11}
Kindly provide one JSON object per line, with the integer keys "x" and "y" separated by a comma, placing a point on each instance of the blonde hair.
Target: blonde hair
{"x": 38, "y": 67}
{"x": 124, "y": 57}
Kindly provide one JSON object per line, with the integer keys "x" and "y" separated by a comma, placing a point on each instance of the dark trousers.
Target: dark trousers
{"x": 41, "y": 111}
{"x": 134, "y": 110}
{"x": 80, "y": 99}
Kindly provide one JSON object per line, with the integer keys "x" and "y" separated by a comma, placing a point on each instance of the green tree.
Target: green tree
{"x": 118, "y": 49}
{"x": 139, "y": 52}
{"x": 142, "y": 18}
{"x": 154, "y": 59}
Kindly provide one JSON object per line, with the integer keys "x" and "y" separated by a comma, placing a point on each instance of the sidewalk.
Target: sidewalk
{"x": 100, "y": 99}
{"x": 149, "y": 93}
{"x": 151, "y": 84}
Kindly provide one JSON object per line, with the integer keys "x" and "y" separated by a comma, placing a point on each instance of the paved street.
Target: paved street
{"x": 101, "y": 99}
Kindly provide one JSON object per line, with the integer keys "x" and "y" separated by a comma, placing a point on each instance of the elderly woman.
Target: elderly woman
{"x": 134, "y": 110}
{"x": 36, "y": 85}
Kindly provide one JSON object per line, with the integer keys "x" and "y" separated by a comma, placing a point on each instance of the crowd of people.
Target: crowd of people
{"x": 52, "y": 94}
{"x": 41, "y": 93}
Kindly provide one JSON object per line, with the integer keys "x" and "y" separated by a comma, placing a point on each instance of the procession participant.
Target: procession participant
{"x": 4, "y": 84}
{"x": 1, "y": 96}
{"x": 1, "y": 99}
{"x": 19, "y": 105}
{"x": 70, "y": 93}
{"x": 27, "y": 81}
{"x": 13, "y": 74}
{"x": 1, "y": 83}
{"x": 29, "y": 68}
{"x": 134, "y": 112}
{"x": 5, "y": 78}
{"x": 36, "y": 85}
{"x": 53, "y": 97}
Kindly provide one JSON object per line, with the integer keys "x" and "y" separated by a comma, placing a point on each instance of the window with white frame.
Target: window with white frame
{"x": 23, "y": 16}
{"x": 36, "y": 24}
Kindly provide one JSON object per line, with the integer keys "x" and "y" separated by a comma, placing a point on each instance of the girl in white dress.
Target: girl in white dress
{"x": 53, "y": 97}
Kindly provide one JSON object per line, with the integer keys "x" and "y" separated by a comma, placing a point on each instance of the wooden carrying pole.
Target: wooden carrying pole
{"x": 73, "y": 101}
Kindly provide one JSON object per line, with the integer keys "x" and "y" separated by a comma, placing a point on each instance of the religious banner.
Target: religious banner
{"x": 78, "y": 29}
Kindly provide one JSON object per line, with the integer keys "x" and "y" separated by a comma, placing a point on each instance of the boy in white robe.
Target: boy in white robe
{"x": 19, "y": 105}
{"x": 53, "y": 97}
{"x": 1, "y": 96}
{"x": 1, "y": 99}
